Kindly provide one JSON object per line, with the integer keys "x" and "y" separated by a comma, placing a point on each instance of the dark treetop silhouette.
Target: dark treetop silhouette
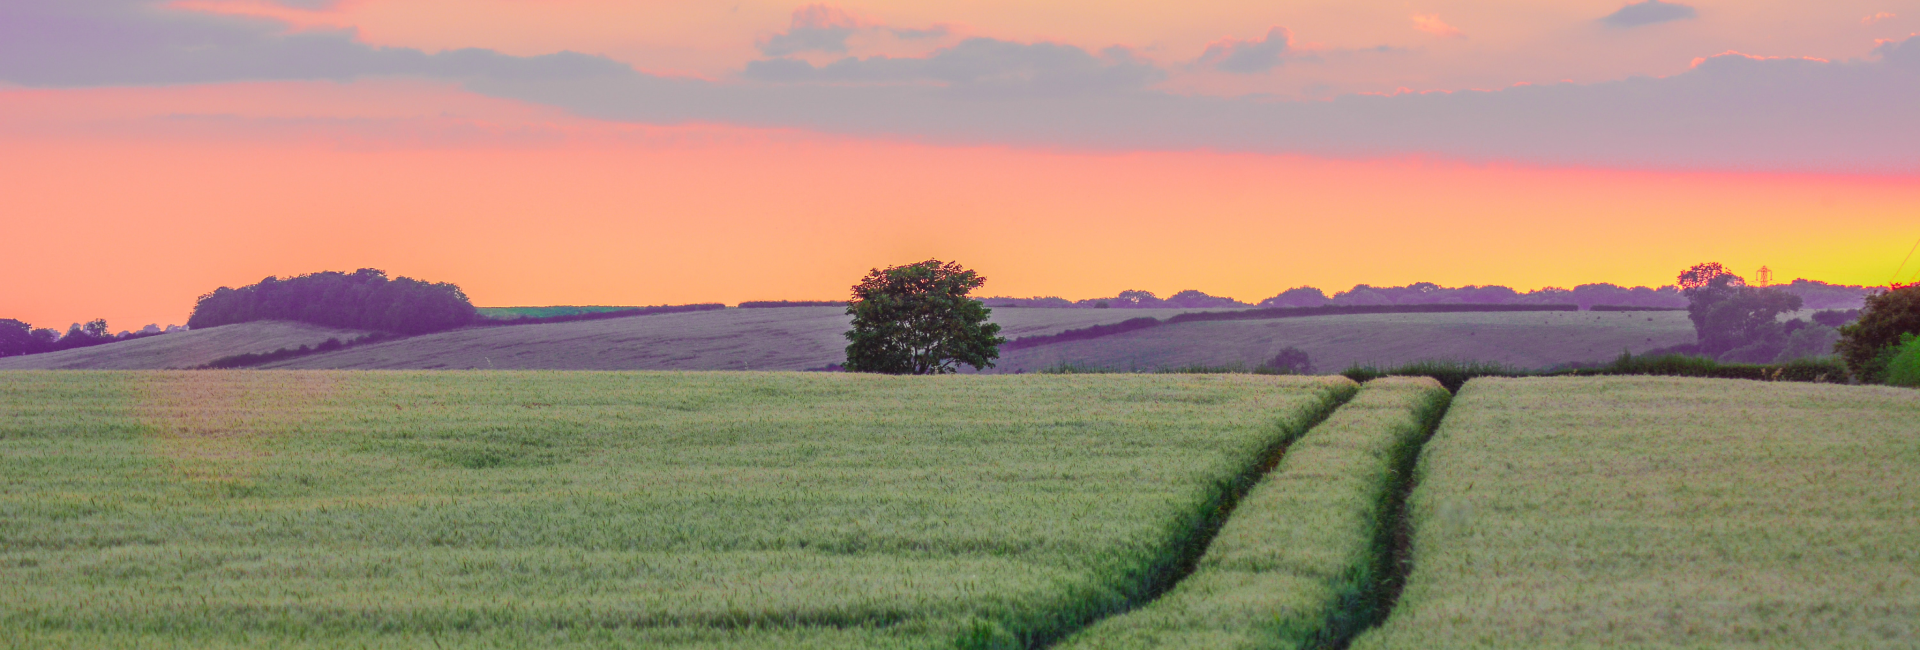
{"x": 364, "y": 299}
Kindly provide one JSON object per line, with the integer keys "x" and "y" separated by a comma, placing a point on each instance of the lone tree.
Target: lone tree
{"x": 917, "y": 320}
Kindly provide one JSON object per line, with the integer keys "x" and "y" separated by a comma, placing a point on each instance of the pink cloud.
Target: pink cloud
{"x": 1877, "y": 18}
{"x": 1751, "y": 57}
{"x": 1432, "y": 24}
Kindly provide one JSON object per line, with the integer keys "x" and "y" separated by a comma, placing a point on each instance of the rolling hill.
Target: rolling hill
{"x": 790, "y": 338}
{"x": 800, "y": 338}
{"x": 1523, "y": 339}
{"x": 182, "y": 349}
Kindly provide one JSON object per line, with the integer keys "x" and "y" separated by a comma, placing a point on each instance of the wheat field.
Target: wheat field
{"x": 1645, "y": 512}
{"x": 535, "y": 509}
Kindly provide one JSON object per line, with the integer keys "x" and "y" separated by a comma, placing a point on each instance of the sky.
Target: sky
{"x": 542, "y": 152}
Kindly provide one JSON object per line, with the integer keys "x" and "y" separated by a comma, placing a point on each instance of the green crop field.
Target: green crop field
{"x": 526, "y": 509}
{"x": 1665, "y": 513}
{"x": 1299, "y": 562}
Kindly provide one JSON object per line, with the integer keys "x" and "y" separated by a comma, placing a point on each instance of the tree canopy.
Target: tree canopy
{"x": 1735, "y": 322}
{"x": 18, "y": 338}
{"x": 364, "y": 299}
{"x": 917, "y": 319}
{"x": 1869, "y": 344}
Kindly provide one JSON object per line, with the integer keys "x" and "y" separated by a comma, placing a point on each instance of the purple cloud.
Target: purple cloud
{"x": 814, "y": 28}
{"x": 1730, "y": 112}
{"x": 979, "y": 65}
{"x": 826, "y": 28}
{"x": 1248, "y": 57}
{"x": 1648, "y": 13}
{"x": 139, "y": 42}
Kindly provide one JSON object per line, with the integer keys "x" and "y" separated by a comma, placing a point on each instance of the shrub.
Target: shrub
{"x": 1903, "y": 368}
{"x": 1291, "y": 361}
{"x": 1083, "y": 333}
{"x": 1808, "y": 342}
{"x": 1865, "y": 343}
{"x": 1835, "y": 317}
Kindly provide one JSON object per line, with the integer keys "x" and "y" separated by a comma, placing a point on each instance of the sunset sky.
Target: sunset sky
{"x": 542, "y": 152}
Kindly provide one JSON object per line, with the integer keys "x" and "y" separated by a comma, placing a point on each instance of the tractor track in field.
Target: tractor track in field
{"x": 1394, "y": 542}
{"x": 1165, "y": 577}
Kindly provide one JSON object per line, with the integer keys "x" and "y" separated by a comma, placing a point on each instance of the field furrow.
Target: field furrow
{"x": 1299, "y": 562}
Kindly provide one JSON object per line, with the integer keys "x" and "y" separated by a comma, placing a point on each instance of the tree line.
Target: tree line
{"x": 365, "y": 299}
{"x": 1814, "y": 295}
{"x": 18, "y": 337}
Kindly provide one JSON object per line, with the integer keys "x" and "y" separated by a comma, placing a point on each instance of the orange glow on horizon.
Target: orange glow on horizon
{"x": 131, "y": 202}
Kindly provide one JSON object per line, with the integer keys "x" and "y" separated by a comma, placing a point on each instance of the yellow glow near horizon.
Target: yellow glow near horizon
{"x": 131, "y": 217}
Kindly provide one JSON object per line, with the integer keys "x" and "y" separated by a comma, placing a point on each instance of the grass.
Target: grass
{"x": 1301, "y": 560}
{"x": 1652, "y": 512}
{"x": 516, "y": 509}
{"x": 1520, "y": 340}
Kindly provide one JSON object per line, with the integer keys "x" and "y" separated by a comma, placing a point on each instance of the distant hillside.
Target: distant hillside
{"x": 794, "y": 338}
{"x": 509, "y": 313}
{"x": 182, "y": 349}
{"x": 1525, "y": 339}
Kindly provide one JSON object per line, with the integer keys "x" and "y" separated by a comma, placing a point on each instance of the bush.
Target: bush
{"x": 1808, "y": 342}
{"x": 1903, "y": 368}
{"x": 249, "y": 359}
{"x": 1836, "y": 317}
{"x": 1866, "y": 344}
{"x": 1083, "y": 333}
{"x": 1291, "y": 361}
{"x": 1454, "y": 374}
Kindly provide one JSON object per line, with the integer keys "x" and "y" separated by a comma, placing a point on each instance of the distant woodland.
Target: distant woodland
{"x": 368, "y": 299}
{"x": 365, "y": 299}
{"x": 1813, "y": 295}
{"x": 18, "y": 338}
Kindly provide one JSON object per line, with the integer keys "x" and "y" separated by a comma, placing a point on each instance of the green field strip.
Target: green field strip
{"x": 584, "y": 509}
{"x": 1195, "y": 533}
{"x": 1664, "y": 513}
{"x": 1300, "y": 562}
